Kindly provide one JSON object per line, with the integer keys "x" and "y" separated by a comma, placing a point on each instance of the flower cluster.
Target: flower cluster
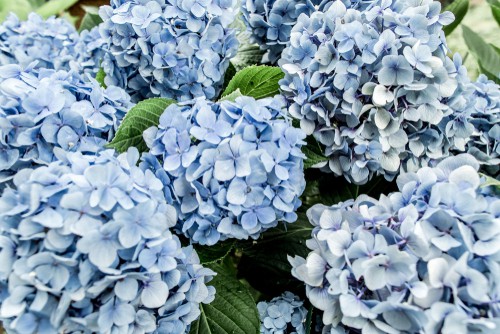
{"x": 90, "y": 52}
{"x": 474, "y": 124}
{"x": 424, "y": 259}
{"x": 285, "y": 314}
{"x": 52, "y": 42}
{"x": 485, "y": 141}
{"x": 43, "y": 109}
{"x": 270, "y": 22}
{"x": 85, "y": 247}
{"x": 372, "y": 85}
{"x": 234, "y": 168}
{"x": 170, "y": 48}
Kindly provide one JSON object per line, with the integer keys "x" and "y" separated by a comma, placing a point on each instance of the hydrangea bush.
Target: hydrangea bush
{"x": 234, "y": 169}
{"x": 169, "y": 48}
{"x": 43, "y": 109}
{"x": 424, "y": 259}
{"x": 157, "y": 178}
{"x": 86, "y": 247}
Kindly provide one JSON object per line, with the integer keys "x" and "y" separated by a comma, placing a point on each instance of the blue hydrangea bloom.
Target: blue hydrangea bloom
{"x": 486, "y": 121}
{"x": 90, "y": 52}
{"x": 235, "y": 169}
{"x": 372, "y": 85}
{"x": 421, "y": 260}
{"x": 285, "y": 314}
{"x": 475, "y": 122}
{"x": 53, "y": 44}
{"x": 85, "y": 247}
{"x": 270, "y": 22}
{"x": 43, "y": 109}
{"x": 169, "y": 48}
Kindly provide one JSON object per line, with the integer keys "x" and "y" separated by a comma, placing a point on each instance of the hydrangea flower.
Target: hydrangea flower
{"x": 234, "y": 168}
{"x": 53, "y": 44}
{"x": 270, "y": 22}
{"x": 85, "y": 247}
{"x": 285, "y": 314}
{"x": 485, "y": 142}
{"x": 43, "y": 109}
{"x": 169, "y": 48}
{"x": 90, "y": 52}
{"x": 424, "y": 259}
{"x": 372, "y": 85}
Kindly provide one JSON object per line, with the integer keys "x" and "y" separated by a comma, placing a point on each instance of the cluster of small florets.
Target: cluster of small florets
{"x": 85, "y": 247}
{"x": 270, "y": 22}
{"x": 424, "y": 259}
{"x": 474, "y": 124}
{"x": 234, "y": 168}
{"x": 485, "y": 141}
{"x": 52, "y": 42}
{"x": 285, "y": 314}
{"x": 90, "y": 52}
{"x": 371, "y": 85}
{"x": 42, "y": 109}
{"x": 169, "y": 48}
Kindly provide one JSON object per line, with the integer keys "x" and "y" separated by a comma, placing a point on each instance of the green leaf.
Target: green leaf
{"x": 459, "y": 8}
{"x": 256, "y": 81}
{"x": 100, "y": 76}
{"x": 36, "y": 3}
{"x": 232, "y": 97}
{"x": 487, "y": 56}
{"x": 308, "y": 324}
{"x": 19, "y": 7}
{"x": 230, "y": 72}
{"x": 142, "y": 116}
{"x": 495, "y": 9}
{"x": 497, "y": 49}
{"x": 329, "y": 189}
{"x": 490, "y": 182}
{"x": 232, "y": 312}
{"x": 54, "y": 7}
{"x": 313, "y": 152}
{"x": 91, "y": 18}
{"x": 248, "y": 54}
{"x": 313, "y": 157}
{"x": 267, "y": 257}
{"x": 215, "y": 253}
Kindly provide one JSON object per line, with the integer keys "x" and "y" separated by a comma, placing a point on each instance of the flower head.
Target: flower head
{"x": 234, "y": 168}
{"x": 169, "y": 48}
{"x": 50, "y": 44}
{"x": 86, "y": 248}
{"x": 43, "y": 109}
{"x": 284, "y": 314}
{"x": 410, "y": 260}
{"x": 375, "y": 75}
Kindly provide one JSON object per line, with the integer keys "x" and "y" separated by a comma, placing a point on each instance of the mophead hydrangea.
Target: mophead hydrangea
{"x": 43, "y": 109}
{"x": 424, "y": 259}
{"x": 86, "y": 247}
{"x": 234, "y": 169}
{"x": 284, "y": 314}
{"x": 53, "y": 43}
{"x": 372, "y": 85}
{"x": 168, "y": 48}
